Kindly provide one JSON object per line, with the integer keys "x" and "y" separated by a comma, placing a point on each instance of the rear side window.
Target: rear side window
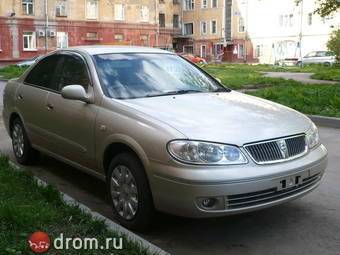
{"x": 43, "y": 73}
{"x": 73, "y": 72}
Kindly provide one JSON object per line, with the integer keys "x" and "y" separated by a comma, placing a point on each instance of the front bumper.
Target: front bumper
{"x": 179, "y": 190}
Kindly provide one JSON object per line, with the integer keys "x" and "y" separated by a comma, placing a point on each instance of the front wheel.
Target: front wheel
{"x": 129, "y": 192}
{"x": 23, "y": 151}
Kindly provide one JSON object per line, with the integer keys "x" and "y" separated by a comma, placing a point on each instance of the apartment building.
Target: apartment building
{"x": 33, "y": 27}
{"x": 252, "y": 31}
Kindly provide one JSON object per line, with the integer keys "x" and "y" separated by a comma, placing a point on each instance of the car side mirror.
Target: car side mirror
{"x": 75, "y": 92}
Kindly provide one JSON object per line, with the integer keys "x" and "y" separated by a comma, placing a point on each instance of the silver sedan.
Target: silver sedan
{"x": 163, "y": 134}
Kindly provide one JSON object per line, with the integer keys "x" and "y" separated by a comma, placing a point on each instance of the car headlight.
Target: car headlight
{"x": 205, "y": 153}
{"x": 312, "y": 137}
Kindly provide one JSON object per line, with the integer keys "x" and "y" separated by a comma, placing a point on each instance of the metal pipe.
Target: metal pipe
{"x": 46, "y": 25}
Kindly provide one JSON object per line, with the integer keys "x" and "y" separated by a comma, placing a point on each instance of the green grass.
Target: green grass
{"x": 310, "y": 99}
{"x": 11, "y": 71}
{"x": 26, "y": 207}
{"x": 332, "y": 74}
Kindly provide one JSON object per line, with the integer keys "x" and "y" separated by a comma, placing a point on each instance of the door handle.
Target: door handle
{"x": 20, "y": 97}
{"x": 49, "y": 107}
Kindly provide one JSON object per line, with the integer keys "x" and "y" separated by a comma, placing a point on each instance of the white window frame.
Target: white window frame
{"x": 212, "y": 6}
{"x": 201, "y": 27}
{"x": 25, "y": 6}
{"x": 239, "y": 56}
{"x": 239, "y": 25}
{"x": 211, "y": 27}
{"x": 310, "y": 19}
{"x": 291, "y": 20}
{"x": 60, "y": 44}
{"x": 32, "y": 44}
{"x": 120, "y": 39}
{"x": 95, "y": 13}
{"x": 201, "y": 51}
{"x": 62, "y": 6}
{"x": 204, "y": 4}
{"x": 258, "y": 51}
{"x": 189, "y": 5}
{"x": 144, "y": 13}
{"x": 119, "y": 12}
{"x": 193, "y": 28}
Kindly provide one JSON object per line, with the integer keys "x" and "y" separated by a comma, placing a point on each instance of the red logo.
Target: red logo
{"x": 39, "y": 242}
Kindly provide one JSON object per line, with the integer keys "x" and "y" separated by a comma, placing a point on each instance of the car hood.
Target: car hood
{"x": 229, "y": 117}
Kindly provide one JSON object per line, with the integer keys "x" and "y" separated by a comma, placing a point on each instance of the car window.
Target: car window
{"x": 311, "y": 54}
{"x": 329, "y": 54}
{"x": 43, "y": 73}
{"x": 321, "y": 54}
{"x": 73, "y": 72}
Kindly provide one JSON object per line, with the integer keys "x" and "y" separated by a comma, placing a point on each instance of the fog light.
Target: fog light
{"x": 208, "y": 202}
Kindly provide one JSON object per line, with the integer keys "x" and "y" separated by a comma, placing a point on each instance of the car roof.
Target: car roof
{"x": 107, "y": 49}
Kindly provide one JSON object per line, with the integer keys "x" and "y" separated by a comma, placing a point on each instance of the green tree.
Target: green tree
{"x": 333, "y": 43}
{"x": 325, "y": 7}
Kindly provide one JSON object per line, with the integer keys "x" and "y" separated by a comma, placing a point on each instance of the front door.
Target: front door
{"x": 72, "y": 122}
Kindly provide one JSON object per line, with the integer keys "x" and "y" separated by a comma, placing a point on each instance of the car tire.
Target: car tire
{"x": 299, "y": 63}
{"x": 327, "y": 64}
{"x": 133, "y": 185}
{"x": 23, "y": 151}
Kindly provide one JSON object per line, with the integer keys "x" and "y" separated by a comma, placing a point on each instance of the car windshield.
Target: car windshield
{"x": 126, "y": 76}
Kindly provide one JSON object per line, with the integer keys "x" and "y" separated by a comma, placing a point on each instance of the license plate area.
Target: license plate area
{"x": 291, "y": 181}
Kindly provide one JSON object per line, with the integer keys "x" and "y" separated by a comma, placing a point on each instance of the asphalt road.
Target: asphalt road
{"x": 310, "y": 225}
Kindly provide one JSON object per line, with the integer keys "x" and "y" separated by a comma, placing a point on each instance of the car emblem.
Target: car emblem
{"x": 283, "y": 148}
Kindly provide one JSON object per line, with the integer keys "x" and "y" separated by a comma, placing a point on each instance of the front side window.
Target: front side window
{"x": 73, "y": 72}
{"x": 125, "y": 76}
{"x": 188, "y": 28}
{"x": 29, "y": 41}
{"x": 119, "y": 12}
{"x": 144, "y": 14}
{"x": 28, "y": 7}
{"x": 91, "y": 9}
{"x": 42, "y": 74}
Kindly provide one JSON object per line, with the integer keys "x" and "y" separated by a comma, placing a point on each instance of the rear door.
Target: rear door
{"x": 31, "y": 98}
{"x": 71, "y": 123}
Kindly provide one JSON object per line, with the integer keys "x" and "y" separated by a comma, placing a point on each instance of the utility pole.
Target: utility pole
{"x": 46, "y": 25}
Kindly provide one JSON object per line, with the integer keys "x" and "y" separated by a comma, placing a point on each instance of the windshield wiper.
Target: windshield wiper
{"x": 175, "y": 92}
{"x": 222, "y": 90}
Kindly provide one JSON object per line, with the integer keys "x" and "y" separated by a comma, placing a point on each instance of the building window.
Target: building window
{"x": 291, "y": 20}
{"x": 161, "y": 20}
{"x": 189, "y": 4}
{"x": 188, "y": 28}
{"x": 60, "y": 9}
{"x": 258, "y": 51}
{"x": 27, "y": 7}
{"x": 62, "y": 40}
{"x": 119, "y": 12}
{"x": 188, "y": 49}
{"x": 175, "y": 21}
{"x": 92, "y": 36}
{"x": 144, "y": 14}
{"x": 240, "y": 52}
{"x": 29, "y": 41}
{"x": 214, "y": 3}
{"x": 144, "y": 39}
{"x": 204, "y": 4}
{"x": 241, "y": 27}
{"x": 203, "y": 51}
{"x": 310, "y": 19}
{"x": 91, "y": 9}
{"x": 119, "y": 37}
{"x": 213, "y": 27}
{"x": 281, "y": 20}
{"x": 203, "y": 27}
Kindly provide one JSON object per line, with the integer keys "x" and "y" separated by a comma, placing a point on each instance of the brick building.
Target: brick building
{"x": 33, "y": 27}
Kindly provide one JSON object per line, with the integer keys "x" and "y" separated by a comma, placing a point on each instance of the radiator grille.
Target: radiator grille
{"x": 277, "y": 150}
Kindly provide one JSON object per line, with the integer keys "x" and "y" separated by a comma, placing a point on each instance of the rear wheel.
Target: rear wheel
{"x": 23, "y": 151}
{"x": 129, "y": 192}
{"x": 327, "y": 64}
